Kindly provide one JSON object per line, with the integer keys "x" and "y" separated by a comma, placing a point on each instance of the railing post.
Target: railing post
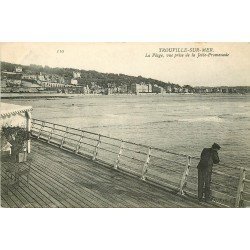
{"x": 145, "y": 167}
{"x": 185, "y": 175}
{"x": 63, "y": 138}
{"x": 238, "y": 202}
{"x": 96, "y": 148}
{"x": 32, "y": 124}
{"x": 79, "y": 143}
{"x": 29, "y": 125}
{"x": 118, "y": 156}
{"x": 51, "y": 132}
{"x": 41, "y": 129}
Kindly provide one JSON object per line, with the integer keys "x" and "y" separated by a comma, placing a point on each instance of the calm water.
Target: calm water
{"x": 181, "y": 123}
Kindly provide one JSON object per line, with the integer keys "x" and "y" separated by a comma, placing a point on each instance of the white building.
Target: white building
{"x": 18, "y": 69}
{"x": 141, "y": 88}
{"x": 76, "y": 74}
{"x": 74, "y": 81}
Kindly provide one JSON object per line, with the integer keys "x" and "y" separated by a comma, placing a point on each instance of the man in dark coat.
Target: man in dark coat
{"x": 209, "y": 156}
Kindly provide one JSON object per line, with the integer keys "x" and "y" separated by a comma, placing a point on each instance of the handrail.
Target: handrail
{"x": 149, "y": 158}
{"x": 223, "y": 165}
{"x": 113, "y": 138}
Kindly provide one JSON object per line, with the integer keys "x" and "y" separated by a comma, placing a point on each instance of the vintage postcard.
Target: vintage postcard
{"x": 125, "y": 125}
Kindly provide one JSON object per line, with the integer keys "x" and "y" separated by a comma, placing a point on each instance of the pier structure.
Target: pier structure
{"x": 76, "y": 168}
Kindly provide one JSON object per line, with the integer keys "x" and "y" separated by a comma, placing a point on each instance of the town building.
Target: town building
{"x": 175, "y": 90}
{"x": 74, "y": 81}
{"x": 29, "y": 77}
{"x": 41, "y": 77}
{"x": 159, "y": 90}
{"x": 76, "y": 74}
{"x": 46, "y": 84}
{"x": 169, "y": 89}
{"x": 141, "y": 88}
{"x": 17, "y": 82}
{"x": 86, "y": 90}
{"x": 18, "y": 69}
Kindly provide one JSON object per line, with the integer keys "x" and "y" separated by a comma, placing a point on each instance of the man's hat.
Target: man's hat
{"x": 216, "y": 146}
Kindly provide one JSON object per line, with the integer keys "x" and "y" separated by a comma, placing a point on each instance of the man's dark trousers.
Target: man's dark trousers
{"x": 204, "y": 182}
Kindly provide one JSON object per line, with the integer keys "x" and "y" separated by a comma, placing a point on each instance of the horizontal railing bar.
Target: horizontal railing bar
{"x": 164, "y": 159}
{"x": 132, "y": 150}
{"x": 36, "y": 124}
{"x": 44, "y": 132}
{"x": 105, "y": 159}
{"x": 85, "y": 149}
{"x": 68, "y": 146}
{"x": 70, "y": 133}
{"x": 108, "y": 150}
{"x": 224, "y": 186}
{"x": 110, "y": 144}
{"x": 132, "y": 158}
{"x": 132, "y": 166}
{"x": 58, "y": 129}
{"x": 60, "y": 135}
{"x": 213, "y": 192}
{"x": 221, "y": 173}
{"x": 89, "y": 138}
{"x": 33, "y": 121}
{"x": 85, "y": 143}
{"x": 70, "y": 127}
{"x": 169, "y": 152}
{"x": 55, "y": 141}
{"x": 72, "y": 139}
{"x": 164, "y": 168}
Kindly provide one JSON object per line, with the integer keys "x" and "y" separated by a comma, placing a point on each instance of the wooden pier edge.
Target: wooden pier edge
{"x": 178, "y": 188}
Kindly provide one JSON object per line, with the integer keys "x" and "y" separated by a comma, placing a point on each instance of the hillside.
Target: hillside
{"x": 101, "y": 79}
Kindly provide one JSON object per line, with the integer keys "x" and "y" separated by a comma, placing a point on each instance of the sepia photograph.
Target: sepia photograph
{"x": 125, "y": 125}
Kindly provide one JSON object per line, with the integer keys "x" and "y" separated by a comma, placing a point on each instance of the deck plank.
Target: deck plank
{"x": 18, "y": 193}
{"x": 78, "y": 183}
{"x": 62, "y": 179}
{"x": 115, "y": 188}
{"x": 113, "y": 174}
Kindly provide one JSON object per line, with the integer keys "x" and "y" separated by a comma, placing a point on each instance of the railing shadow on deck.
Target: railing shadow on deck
{"x": 230, "y": 185}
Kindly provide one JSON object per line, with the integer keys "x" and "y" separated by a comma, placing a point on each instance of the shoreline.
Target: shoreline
{"x": 60, "y": 95}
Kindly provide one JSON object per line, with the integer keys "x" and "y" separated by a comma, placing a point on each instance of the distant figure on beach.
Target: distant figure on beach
{"x": 209, "y": 156}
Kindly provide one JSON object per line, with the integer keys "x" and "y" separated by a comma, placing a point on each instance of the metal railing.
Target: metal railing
{"x": 230, "y": 185}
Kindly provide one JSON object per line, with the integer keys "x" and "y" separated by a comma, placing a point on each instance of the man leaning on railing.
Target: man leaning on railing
{"x": 209, "y": 156}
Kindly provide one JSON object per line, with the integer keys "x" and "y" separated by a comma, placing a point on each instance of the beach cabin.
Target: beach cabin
{"x": 13, "y": 116}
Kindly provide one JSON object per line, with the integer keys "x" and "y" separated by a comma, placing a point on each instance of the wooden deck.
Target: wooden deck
{"x": 61, "y": 179}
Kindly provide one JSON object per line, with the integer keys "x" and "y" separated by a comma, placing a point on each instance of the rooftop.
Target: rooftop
{"x": 12, "y": 109}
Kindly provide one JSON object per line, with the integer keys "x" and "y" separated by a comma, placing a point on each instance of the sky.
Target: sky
{"x": 131, "y": 59}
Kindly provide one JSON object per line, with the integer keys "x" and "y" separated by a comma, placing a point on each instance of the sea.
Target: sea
{"x": 182, "y": 123}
